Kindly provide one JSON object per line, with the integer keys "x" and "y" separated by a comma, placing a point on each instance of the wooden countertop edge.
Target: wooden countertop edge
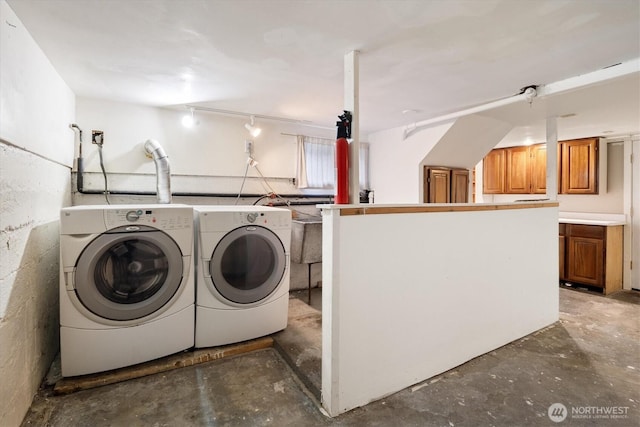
{"x": 441, "y": 208}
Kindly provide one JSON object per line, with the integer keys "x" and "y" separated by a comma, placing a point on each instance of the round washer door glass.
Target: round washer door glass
{"x": 247, "y": 265}
{"x": 128, "y": 273}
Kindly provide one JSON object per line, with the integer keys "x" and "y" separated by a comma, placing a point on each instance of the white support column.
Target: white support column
{"x": 552, "y": 158}
{"x": 351, "y": 103}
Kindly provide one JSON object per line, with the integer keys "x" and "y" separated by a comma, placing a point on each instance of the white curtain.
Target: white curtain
{"x": 317, "y": 162}
{"x": 301, "y": 169}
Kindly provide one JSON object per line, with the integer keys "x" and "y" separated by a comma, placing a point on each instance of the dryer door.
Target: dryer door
{"x": 128, "y": 273}
{"x": 247, "y": 265}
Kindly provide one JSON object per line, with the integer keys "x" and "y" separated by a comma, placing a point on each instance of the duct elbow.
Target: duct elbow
{"x": 154, "y": 149}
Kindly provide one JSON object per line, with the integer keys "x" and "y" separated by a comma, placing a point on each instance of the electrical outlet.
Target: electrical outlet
{"x": 97, "y": 137}
{"x": 248, "y": 146}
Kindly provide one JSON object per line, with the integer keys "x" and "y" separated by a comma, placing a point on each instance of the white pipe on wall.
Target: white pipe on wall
{"x": 527, "y": 95}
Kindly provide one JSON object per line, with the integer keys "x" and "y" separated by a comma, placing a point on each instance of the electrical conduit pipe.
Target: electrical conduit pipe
{"x": 163, "y": 173}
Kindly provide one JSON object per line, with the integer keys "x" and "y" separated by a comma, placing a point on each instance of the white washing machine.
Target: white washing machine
{"x": 242, "y": 281}
{"x": 127, "y": 285}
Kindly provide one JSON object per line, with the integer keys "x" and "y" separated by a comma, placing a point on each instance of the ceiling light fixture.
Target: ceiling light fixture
{"x": 254, "y": 131}
{"x": 188, "y": 120}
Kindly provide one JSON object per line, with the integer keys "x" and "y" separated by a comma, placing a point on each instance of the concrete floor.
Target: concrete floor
{"x": 589, "y": 361}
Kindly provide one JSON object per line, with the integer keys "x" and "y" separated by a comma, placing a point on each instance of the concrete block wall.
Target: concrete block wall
{"x": 36, "y": 152}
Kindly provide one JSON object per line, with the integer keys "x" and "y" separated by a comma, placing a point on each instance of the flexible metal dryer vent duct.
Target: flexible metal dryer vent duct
{"x": 163, "y": 173}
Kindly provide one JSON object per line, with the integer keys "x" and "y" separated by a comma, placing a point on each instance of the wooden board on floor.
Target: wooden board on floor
{"x": 181, "y": 360}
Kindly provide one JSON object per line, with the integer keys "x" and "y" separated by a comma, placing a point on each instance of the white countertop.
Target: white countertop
{"x": 604, "y": 222}
{"x": 590, "y": 218}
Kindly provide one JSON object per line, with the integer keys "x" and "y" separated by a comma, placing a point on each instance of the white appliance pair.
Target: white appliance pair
{"x": 128, "y": 288}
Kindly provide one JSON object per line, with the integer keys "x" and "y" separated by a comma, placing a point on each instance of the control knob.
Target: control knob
{"x": 133, "y": 216}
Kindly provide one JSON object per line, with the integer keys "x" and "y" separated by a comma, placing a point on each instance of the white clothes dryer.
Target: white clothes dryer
{"x": 242, "y": 281}
{"x": 127, "y": 285}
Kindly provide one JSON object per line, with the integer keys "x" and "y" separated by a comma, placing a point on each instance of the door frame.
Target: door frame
{"x": 632, "y": 235}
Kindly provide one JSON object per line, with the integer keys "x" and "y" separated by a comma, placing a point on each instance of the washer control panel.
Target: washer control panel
{"x": 166, "y": 219}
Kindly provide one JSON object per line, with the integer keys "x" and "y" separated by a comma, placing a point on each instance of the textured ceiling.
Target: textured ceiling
{"x": 285, "y": 58}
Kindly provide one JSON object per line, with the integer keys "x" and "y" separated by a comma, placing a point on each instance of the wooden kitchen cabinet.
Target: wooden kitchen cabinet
{"x": 523, "y": 169}
{"x": 593, "y": 256}
{"x": 579, "y": 166}
{"x": 493, "y": 172}
{"x": 562, "y": 250}
{"x": 517, "y": 170}
{"x": 538, "y": 168}
{"x": 445, "y": 185}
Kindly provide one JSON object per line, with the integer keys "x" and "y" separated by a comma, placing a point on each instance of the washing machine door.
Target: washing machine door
{"x": 248, "y": 264}
{"x": 128, "y": 273}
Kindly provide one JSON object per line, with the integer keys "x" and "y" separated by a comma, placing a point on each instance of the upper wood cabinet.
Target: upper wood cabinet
{"x": 523, "y": 169}
{"x": 493, "y": 172}
{"x": 579, "y": 165}
{"x": 517, "y": 170}
{"x": 445, "y": 185}
{"x": 538, "y": 168}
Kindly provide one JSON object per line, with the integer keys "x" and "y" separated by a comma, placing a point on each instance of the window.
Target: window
{"x": 317, "y": 160}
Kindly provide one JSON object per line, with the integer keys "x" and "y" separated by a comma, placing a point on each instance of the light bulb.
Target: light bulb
{"x": 188, "y": 120}
{"x": 253, "y": 131}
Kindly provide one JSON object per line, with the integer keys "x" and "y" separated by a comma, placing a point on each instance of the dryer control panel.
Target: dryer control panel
{"x": 264, "y": 219}
{"x": 165, "y": 219}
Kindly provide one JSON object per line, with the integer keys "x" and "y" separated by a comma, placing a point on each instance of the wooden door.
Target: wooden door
{"x": 493, "y": 172}
{"x": 580, "y": 166}
{"x": 517, "y": 170}
{"x": 459, "y": 186}
{"x": 439, "y": 185}
{"x": 538, "y": 168}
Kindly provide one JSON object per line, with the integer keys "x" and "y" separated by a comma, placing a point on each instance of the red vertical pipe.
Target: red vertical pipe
{"x": 342, "y": 171}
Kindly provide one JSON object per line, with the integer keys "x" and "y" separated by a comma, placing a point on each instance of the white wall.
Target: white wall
{"x": 36, "y": 151}
{"x": 208, "y": 158}
{"x": 407, "y": 296}
{"x": 395, "y": 163}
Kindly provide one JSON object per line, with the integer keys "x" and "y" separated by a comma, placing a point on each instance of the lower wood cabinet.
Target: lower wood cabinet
{"x": 591, "y": 255}
{"x": 562, "y": 250}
